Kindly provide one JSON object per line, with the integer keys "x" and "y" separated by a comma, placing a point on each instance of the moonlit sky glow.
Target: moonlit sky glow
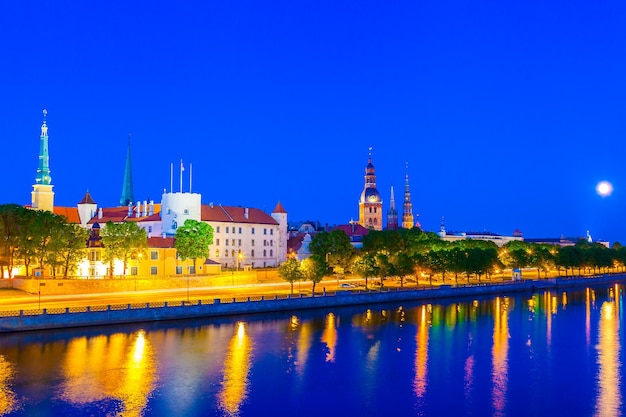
{"x": 604, "y": 188}
{"x": 488, "y": 102}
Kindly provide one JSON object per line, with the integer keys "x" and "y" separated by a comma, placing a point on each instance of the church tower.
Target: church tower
{"x": 392, "y": 213}
{"x": 127, "y": 188}
{"x": 407, "y": 207}
{"x": 370, "y": 204}
{"x": 42, "y": 196}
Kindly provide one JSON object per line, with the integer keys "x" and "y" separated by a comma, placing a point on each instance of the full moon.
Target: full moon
{"x": 604, "y": 188}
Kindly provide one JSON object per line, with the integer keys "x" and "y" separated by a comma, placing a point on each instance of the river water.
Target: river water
{"x": 558, "y": 353}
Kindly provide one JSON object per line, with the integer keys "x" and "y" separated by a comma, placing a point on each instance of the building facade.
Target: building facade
{"x": 370, "y": 203}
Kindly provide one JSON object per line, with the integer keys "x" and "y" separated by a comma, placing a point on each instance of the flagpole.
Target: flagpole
{"x": 182, "y": 168}
{"x": 171, "y": 177}
{"x": 190, "y": 172}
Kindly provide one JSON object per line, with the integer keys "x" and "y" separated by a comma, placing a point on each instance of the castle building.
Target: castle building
{"x": 392, "y": 213}
{"x": 370, "y": 204}
{"x": 42, "y": 196}
{"x": 244, "y": 237}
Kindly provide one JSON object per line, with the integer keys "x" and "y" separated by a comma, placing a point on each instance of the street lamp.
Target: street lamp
{"x": 239, "y": 258}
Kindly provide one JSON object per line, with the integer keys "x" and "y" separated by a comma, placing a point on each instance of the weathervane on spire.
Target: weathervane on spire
{"x": 370, "y": 152}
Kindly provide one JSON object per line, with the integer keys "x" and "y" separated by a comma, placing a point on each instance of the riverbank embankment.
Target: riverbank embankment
{"x": 16, "y": 321}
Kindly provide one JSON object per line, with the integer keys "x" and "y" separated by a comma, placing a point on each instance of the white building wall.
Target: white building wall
{"x": 257, "y": 242}
{"x": 178, "y": 207}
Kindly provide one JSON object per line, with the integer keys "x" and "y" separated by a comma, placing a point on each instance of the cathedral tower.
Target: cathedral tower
{"x": 407, "y": 207}
{"x": 42, "y": 196}
{"x": 127, "y": 187}
{"x": 392, "y": 213}
{"x": 370, "y": 204}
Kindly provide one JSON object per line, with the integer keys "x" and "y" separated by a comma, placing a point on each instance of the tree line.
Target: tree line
{"x": 404, "y": 253}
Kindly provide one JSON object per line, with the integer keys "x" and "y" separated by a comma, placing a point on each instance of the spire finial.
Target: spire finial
{"x": 44, "y": 127}
{"x": 369, "y": 153}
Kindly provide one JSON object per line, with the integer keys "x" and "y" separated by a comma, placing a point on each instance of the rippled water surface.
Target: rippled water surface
{"x": 557, "y": 353}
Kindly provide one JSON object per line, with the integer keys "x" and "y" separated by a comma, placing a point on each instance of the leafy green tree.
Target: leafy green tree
{"x": 404, "y": 266}
{"x": 569, "y": 257}
{"x": 45, "y": 231}
{"x": 193, "y": 240}
{"x": 68, "y": 248}
{"x": 313, "y": 269}
{"x": 122, "y": 241}
{"x": 10, "y": 226}
{"x": 365, "y": 266}
{"x": 335, "y": 248}
{"x": 290, "y": 271}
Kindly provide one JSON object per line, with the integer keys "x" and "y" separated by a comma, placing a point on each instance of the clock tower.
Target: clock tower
{"x": 370, "y": 204}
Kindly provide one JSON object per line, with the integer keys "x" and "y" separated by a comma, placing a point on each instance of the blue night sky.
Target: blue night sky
{"x": 508, "y": 113}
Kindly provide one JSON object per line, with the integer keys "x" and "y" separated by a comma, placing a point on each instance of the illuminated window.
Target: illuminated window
{"x": 217, "y": 241}
{"x": 233, "y": 242}
{"x": 232, "y": 253}
{"x": 154, "y": 270}
{"x": 217, "y": 253}
{"x": 154, "y": 255}
{"x": 133, "y": 270}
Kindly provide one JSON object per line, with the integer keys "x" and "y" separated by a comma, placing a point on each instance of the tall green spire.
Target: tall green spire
{"x": 127, "y": 188}
{"x": 43, "y": 171}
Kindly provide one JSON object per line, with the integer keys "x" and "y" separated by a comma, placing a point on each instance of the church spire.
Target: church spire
{"x": 42, "y": 196}
{"x": 407, "y": 207}
{"x": 127, "y": 188}
{"x": 43, "y": 170}
{"x": 392, "y": 213}
{"x": 370, "y": 203}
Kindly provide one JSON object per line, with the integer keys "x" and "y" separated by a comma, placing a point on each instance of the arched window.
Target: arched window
{"x": 264, "y": 252}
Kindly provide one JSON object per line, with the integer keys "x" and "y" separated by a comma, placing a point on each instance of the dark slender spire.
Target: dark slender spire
{"x": 43, "y": 170}
{"x": 392, "y": 213}
{"x": 127, "y": 188}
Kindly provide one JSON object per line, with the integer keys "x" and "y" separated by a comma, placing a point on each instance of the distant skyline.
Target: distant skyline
{"x": 509, "y": 115}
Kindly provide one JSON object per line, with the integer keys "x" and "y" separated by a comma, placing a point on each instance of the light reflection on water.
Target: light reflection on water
{"x": 491, "y": 356}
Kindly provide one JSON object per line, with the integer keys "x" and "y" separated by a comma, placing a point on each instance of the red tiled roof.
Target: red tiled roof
{"x": 235, "y": 215}
{"x": 294, "y": 243}
{"x": 87, "y": 199}
{"x": 120, "y": 214}
{"x": 352, "y": 230}
{"x": 160, "y": 242}
{"x": 70, "y": 213}
{"x": 279, "y": 208}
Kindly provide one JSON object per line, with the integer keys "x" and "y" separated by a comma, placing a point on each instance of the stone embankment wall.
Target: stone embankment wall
{"x": 130, "y": 283}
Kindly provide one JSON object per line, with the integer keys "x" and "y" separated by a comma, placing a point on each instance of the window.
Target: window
{"x": 252, "y": 242}
{"x": 186, "y": 211}
{"x": 217, "y": 241}
{"x": 240, "y": 230}
{"x": 374, "y": 209}
{"x": 133, "y": 270}
{"x": 264, "y": 231}
{"x": 271, "y": 231}
{"x": 226, "y": 253}
{"x": 264, "y": 242}
{"x": 179, "y": 270}
{"x": 149, "y": 229}
{"x": 233, "y": 242}
{"x": 192, "y": 270}
{"x": 271, "y": 252}
{"x": 239, "y": 242}
{"x": 154, "y": 255}
{"x": 271, "y": 243}
{"x": 252, "y": 253}
{"x": 264, "y": 252}
{"x": 233, "y": 253}
{"x": 154, "y": 270}
{"x": 233, "y": 230}
{"x": 217, "y": 230}
{"x": 226, "y": 240}
{"x": 227, "y": 229}
{"x": 253, "y": 230}
{"x": 217, "y": 253}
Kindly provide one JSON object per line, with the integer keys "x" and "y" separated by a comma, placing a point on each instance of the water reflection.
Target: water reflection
{"x": 8, "y": 401}
{"x": 499, "y": 379}
{"x": 119, "y": 367}
{"x": 609, "y": 399}
{"x": 330, "y": 336}
{"x": 236, "y": 370}
{"x": 421, "y": 355}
